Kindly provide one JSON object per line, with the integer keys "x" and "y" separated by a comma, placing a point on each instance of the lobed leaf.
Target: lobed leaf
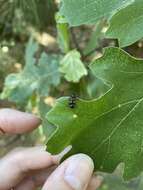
{"x": 72, "y": 67}
{"x": 19, "y": 87}
{"x": 109, "y": 129}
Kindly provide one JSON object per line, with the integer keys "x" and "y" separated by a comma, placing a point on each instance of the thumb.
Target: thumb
{"x": 73, "y": 174}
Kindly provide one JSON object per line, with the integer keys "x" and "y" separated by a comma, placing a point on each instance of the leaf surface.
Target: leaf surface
{"x": 72, "y": 66}
{"x": 79, "y": 12}
{"x": 127, "y": 24}
{"x": 110, "y": 128}
{"x": 19, "y": 87}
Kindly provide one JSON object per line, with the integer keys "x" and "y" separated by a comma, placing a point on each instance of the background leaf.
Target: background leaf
{"x": 90, "y": 11}
{"x": 34, "y": 77}
{"x": 72, "y": 66}
{"x": 127, "y": 24}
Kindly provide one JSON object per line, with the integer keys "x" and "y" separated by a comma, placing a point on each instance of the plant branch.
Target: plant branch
{"x": 76, "y": 42}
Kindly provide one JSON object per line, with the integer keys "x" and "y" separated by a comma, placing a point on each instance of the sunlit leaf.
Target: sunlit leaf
{"x": 109, "y": 129}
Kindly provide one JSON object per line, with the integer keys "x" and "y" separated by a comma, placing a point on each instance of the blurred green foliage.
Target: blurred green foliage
{"x": 32, "y": 45}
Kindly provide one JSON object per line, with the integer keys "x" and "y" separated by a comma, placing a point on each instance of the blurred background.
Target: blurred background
{"x": 34, "y": 39}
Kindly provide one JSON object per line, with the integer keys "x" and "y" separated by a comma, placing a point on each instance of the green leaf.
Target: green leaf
{"x": 18, "y": 87}
{"x": 127, "y": 24}
{"x": 48, "y": 73}
{"x": 72, "y": 66}
{"x": 79, "y": 12}
{"x": 33, "y": 78}
{"x": 95, "y": 86}
{"x": 110, "y": 128}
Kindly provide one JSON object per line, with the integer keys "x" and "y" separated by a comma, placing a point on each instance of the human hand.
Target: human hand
{"x": 29, "y": 168}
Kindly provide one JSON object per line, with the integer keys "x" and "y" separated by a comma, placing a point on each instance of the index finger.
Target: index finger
{"x": 17, "y": 122}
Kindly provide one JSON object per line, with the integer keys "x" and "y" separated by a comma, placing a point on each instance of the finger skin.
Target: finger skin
{"x": 35, "y": 179}
{"x": 17, "y": 122}
{"x": 95, "y": 182}
{"x": 15, "y": 166}
{"x": 73, "y": 174}
{"x": 26, "y": 184}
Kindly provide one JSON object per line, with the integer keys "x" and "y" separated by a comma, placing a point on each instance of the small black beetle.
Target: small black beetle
{"x": 72, "y": 101}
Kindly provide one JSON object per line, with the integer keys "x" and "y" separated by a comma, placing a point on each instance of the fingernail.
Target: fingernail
{"x": 64, "y": 152}
{"x": 59, "y": 156}
{"x": 79, "y": 172}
